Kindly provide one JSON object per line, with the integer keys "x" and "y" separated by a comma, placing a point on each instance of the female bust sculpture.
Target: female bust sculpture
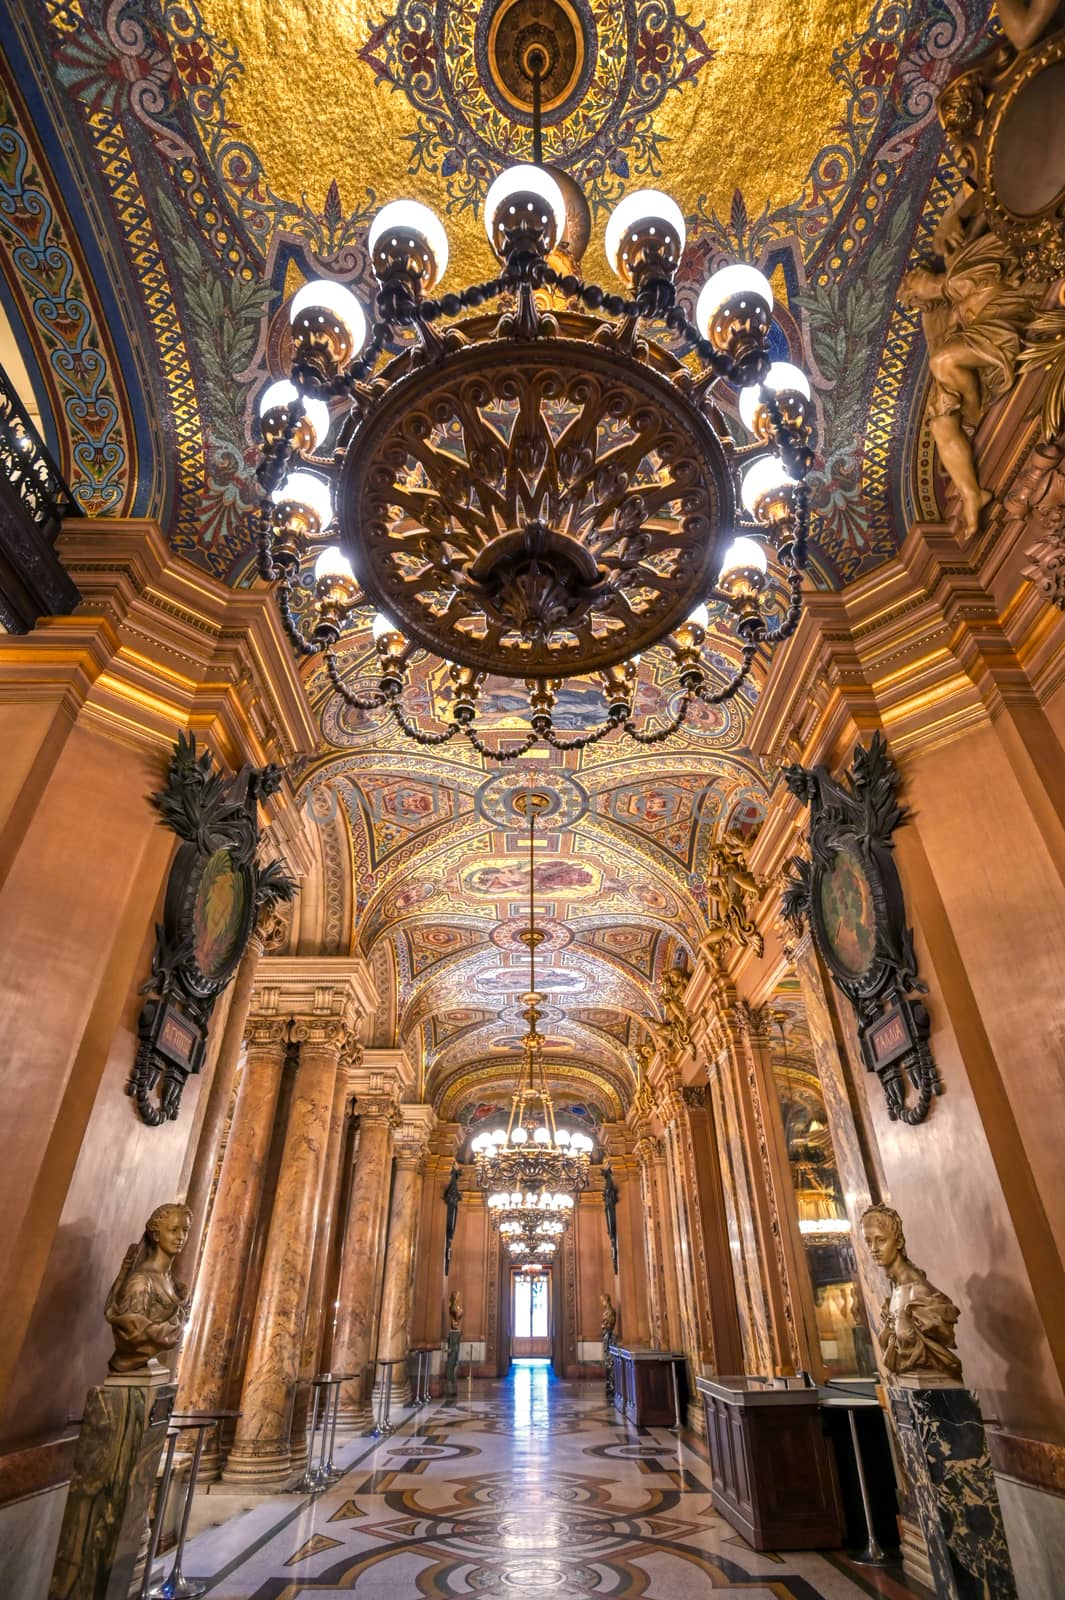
{"x": 917, "y": 1320}
{"x": 147, "y": 1310}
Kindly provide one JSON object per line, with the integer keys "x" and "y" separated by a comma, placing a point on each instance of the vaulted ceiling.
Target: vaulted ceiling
{"x": 174, "y": 170}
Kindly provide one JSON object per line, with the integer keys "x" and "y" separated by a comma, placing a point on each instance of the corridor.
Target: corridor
{"x": 531, "y": 1486}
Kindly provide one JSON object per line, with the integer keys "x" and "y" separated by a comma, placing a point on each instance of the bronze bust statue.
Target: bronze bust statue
{"x": 917, "y": 1320}
{"x": 147, "y": 1310}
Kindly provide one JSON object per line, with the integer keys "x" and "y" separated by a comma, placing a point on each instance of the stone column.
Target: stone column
{"x": 317, "y": 1313}
{"x": 262, "y": 1452}
{"x": 633, "y": 1276}
{"x": 394, "y": 1336}
{"x": 219, "y": 1096}
{"x": 787, "y": 1275}
{"x": 208, "y": 1348}
{"x": 362, "y": 1263}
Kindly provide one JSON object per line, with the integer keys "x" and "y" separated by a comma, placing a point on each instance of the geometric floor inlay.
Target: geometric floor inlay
{"x": 533, "y": 1488}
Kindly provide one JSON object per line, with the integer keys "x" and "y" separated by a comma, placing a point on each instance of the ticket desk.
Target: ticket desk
{"x": 772, "y": 1470}
{"x": 649, "y": 1386}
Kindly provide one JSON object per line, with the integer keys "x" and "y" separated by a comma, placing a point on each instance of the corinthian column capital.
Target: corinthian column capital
{"x": 324, "y": 1033}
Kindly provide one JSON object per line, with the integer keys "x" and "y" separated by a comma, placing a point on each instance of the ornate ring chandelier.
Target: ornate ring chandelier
{"x": 531, "y": 1170}
{"x": 544, "y": 491}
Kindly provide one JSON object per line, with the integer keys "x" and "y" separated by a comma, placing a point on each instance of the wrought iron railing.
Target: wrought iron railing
{"x": 27, "y": 465}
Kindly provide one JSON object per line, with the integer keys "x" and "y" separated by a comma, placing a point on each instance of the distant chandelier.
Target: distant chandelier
{"x": 531, "y": 1169}
{"x": 541, "y": 492}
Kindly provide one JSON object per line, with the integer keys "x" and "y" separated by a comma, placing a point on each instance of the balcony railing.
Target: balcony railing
{"x": 34, "y": 500}
{"x": 26, "y": 463}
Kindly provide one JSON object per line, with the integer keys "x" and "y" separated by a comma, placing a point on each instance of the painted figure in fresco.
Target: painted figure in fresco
{"x": 974, "y": 314}
{"x": 917, "y": 1320}
{"x": 451, "y": 1200}
{"x": 551, "y": 877}
{"x": 454, "y": 1340}
{"x": 608, "y": 1322}
{"x": 147, "y": 1310}
{"x": 730, "y": 884}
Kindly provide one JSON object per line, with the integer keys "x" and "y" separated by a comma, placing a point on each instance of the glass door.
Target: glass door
{"x": 530, "y": 1313}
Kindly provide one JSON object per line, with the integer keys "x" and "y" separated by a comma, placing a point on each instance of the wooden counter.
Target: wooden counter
{"x": 643, "y": 1386}
{"x": 772, "y": 1471}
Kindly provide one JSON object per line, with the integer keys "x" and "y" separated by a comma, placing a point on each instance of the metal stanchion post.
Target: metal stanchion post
{"x": 157, "y": 1520}
{"x": 321, "y": 1477}
{"x": 872, "y": 1555}
{"x": 676, "y": 1396}
{"x": 310, "y": 1477}
{"x": 177, "y": 1586}
{"x": 384, "y": 1425}
{"x": 329, "y": 1470}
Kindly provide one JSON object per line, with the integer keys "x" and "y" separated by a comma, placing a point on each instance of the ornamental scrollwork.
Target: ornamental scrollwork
{"x": 216, "y": 892}
{"x": 851, "y": 895}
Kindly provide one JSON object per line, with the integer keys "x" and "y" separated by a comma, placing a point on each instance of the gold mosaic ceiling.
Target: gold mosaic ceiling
{"x": 263, "y": 136}
{"x": 753, "y": 103}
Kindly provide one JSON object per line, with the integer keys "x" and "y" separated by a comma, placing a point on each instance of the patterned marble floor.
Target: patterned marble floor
{"x": 531, "y": 1487}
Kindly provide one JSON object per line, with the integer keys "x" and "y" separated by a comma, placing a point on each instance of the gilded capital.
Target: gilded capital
{"x": 266, "y": 1033}
{"x": 321, "y": 1033}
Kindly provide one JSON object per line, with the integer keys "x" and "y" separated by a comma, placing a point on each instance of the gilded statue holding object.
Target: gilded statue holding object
{"x": 731, "y": 885}
{"x": 916, "y": 1332}
{"x": 147, "y": 1308}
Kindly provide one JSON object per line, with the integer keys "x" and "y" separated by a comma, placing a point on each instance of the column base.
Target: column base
{"x": 266, "y": 1466}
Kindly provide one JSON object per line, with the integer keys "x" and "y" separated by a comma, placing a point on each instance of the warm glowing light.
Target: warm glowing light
{"x": 304, "y": 489}
{"x": 327, "y": 298}
{"x": 765, "y": 476}
{"x": 744, "y": 555}
{"x": 782, "y": 377}
{"x": 737, "y": 282}
{"x": 281, "y": 395}
{"x": 333, "y": 563}
{"x": 525, "y": 180}
{"x": 409, "y": 218}
{"x": 645, "y": 210}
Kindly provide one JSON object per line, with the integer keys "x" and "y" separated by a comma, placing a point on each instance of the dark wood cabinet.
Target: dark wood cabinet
{"x": 772, "y": 1472}
{"x": 644, "y": 1386}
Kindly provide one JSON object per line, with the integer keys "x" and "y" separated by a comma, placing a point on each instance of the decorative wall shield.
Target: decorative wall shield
{"x": 216, "y": 890}
{"x": 851, "y": 894}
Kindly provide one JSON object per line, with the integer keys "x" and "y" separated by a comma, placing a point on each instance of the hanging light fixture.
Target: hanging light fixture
{"x": 545, "y": 490}
{"x": 532, "y": 1169}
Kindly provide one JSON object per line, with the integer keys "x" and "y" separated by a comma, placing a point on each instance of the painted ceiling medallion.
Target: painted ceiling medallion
{"x": 467, "y": 71}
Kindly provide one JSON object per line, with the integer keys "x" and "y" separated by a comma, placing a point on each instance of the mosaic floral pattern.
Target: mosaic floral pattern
{"x": 40, "y": 259}
{"x": 434, "y": 54}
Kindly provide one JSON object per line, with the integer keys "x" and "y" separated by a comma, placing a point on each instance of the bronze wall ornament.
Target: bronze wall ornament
{"x": 851, "y": 895}
{"x": 216, "y": 890}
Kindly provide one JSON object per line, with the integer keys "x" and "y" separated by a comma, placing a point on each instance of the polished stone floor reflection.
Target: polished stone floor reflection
{"x": 532, "y": 1486}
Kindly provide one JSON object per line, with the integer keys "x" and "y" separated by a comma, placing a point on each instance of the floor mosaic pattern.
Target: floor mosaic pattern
{"x": 530, "y": 1487}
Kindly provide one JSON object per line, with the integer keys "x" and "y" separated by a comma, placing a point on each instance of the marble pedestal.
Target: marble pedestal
{"x": 105, "y": 1519}
{"x": 944, "y": 1448}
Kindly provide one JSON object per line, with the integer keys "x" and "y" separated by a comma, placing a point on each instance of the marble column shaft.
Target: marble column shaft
{"x": 317, "y": 1312}
{"x": 261, "y": 1452}
{"x": 219, "y": 1098}
{"x": 208, "y": 1349}
{"x": 632, "y": 1294}
{"x": 394, "y": 1338}
{"x": 363, "y": 1259}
